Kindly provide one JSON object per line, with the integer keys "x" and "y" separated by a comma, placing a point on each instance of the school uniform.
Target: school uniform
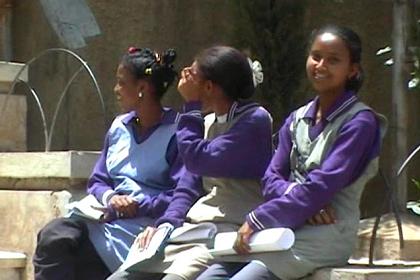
{"x": 316, "y": 165}
{"x": 146, "y": 167}
{"x": 231, "y": 161}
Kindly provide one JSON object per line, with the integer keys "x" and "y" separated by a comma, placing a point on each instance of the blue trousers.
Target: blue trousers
{"x": 237, "y": 271}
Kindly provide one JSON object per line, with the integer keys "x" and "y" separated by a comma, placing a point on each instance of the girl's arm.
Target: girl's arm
{"x": 186, "y": 193}
{"x": 357, "y": 143}
{"x": 155, "y": 206}
{"x": 100, "y": 183}
{"x": 242, "y": 152}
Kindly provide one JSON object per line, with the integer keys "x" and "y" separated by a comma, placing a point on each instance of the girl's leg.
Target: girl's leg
{"x": 62, "y": 245}
{"x": 172, "y": 277}
{"x": 255, "y": 270}
{"x": 125, "y": 275}
{"x": 221, "y": 271}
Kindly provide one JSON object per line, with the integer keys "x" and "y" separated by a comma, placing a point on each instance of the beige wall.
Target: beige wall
{"x": 187, "y": 25}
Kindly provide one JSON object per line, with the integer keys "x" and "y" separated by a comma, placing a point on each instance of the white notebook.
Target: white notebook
{"x": 88, "y": 207}
{"x": 272, "y": 239}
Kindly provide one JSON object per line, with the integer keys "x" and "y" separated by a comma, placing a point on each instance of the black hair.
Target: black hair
{"x": 147, "y": 64}
{"x": 228, "y": 68}
{"x": 354, "y": 45}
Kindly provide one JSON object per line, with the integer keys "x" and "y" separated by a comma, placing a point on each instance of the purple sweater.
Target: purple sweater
{"x": 357, "y": 143}
{"x": 244, "y": 151}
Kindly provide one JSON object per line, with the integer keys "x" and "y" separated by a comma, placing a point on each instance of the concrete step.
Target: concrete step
{"x": 367, "y": 273}
{"x": 12, "y": 265}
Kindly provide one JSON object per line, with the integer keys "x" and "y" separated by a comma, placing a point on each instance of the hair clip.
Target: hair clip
{"x": 157, "y": 57}
{"x": 148, "y": 71}
{"x": 257, "y": 71}
{"x": 132, "y": 49}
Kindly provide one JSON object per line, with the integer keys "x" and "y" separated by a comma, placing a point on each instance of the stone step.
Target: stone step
{"x": 367, "y": 273}
{"x": 12, "y": 265}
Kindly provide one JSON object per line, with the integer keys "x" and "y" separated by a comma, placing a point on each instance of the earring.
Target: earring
{"x": 140, "y": 94}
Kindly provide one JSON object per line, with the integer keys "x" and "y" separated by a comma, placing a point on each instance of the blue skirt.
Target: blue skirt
{"x": 112, "y": 240}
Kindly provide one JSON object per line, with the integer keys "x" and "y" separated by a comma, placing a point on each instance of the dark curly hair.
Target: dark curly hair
{"x": 147, "y": 64}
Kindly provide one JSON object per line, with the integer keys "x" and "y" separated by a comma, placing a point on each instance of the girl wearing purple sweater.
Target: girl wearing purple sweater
{"x": 328, "y": 150}
{"x": 230, "y": 157}
{"x": 134, "y": 177}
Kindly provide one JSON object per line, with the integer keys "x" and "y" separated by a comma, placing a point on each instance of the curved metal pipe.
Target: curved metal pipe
{"x": 41, "y": 111}
{"x": 57, "y": 108}
{"x": 410, "y": 156}
{"x": 84, "y": 64}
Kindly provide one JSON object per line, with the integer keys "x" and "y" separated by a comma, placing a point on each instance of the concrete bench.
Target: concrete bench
{"x": 12, "y": 265}
{"x": 352, "y": 272}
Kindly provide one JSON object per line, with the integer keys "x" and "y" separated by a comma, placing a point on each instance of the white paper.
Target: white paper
{"x": 137, "y": 255}
{"x": 88, "y": 207}
{"x": 273, "y": 239}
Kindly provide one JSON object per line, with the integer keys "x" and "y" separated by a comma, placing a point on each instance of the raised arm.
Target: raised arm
{"x": 235, "y": 154}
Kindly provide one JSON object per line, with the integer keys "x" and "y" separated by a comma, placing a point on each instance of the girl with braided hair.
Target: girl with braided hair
{"x": 133, "y": 178}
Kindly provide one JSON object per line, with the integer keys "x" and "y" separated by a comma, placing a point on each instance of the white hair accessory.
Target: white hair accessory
{"x": 257, "y": 73}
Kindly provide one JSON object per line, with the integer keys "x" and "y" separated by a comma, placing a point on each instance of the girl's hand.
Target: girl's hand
{"x": 241, "y": 245}
{"x": 143, "y": 239}
{"x": 190, "y": 85}
{"x": 325, "y": 216}
{"x": 124, "y": 205}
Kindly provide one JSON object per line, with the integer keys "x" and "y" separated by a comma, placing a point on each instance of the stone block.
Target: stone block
{"x": 13, "y": 123}
{"x": 47, "y": 171}
{"x": 367, "y": 273}
{"x": 9, "y": 70}
{"x": 387, "y": 245}
{"x": 23, "y": 214}
{"x": 12, "y": 265}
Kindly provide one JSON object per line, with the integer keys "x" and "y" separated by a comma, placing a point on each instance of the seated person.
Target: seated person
{"x": 134, "y": 177}
{"x": 231, "y": 158}
{"x": 328, "y": 150}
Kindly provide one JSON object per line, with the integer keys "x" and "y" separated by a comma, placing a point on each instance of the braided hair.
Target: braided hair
{"x": 147, "y": 64}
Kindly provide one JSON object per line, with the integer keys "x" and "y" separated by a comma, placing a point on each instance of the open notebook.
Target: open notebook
{"x": 188, "y": 233}
{"x": 88, "y": 207}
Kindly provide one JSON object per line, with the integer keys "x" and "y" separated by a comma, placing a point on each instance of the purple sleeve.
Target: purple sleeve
{"x": 188, "y": 190}
{"x": 275, "y": 180}
{"x": 242, "y": 152}
{"x": 155, "y": 206}
{"x": 100, "y": 181}
{"x": 357, "y": 143}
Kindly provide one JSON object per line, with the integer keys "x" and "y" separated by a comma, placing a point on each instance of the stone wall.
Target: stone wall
{"x": 188, "y": 26}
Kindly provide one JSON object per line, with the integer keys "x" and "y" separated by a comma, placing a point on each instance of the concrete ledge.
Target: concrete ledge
{"x": 367, "y": 273}
{"x": 46, "y": 171}
{"x": 12, "y": 260}
{"x": 12, "y": 265}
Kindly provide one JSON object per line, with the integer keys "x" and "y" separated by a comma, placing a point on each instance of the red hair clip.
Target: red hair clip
{"x": 132, "y": 49}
